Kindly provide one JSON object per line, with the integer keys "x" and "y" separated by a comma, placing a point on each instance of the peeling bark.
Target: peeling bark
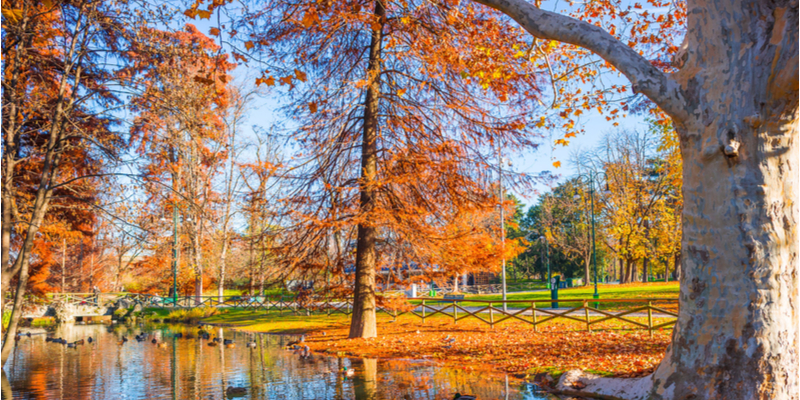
{"x": 735, "y": 106}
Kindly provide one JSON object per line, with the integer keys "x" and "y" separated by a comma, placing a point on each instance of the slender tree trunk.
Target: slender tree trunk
{"x": 586, "y": 270}
{"x": 363, "y": 324}
{"x": 646, "y": 270}
{"x": 251, "y": 267}
{"x": 197, "y": 261}
{"x": 677, "y": 268}
{"x": 223, "y": 257}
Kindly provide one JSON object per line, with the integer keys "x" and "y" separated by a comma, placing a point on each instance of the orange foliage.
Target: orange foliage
{"x": 449, "y": 88}
{"x": 511, "y": 347}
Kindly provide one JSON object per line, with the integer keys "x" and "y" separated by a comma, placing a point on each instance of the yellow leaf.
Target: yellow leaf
{"x": 300, "y": 75}
{"x": 557, "y": 164}
{"x": 248, "y": 45}
{"x": 312, "y": 107}
{"x": 12, "y": 15}
{"x": 401, "y": 92}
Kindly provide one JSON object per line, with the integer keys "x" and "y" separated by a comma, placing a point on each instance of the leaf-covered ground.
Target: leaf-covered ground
{"x": 613, "y": 348}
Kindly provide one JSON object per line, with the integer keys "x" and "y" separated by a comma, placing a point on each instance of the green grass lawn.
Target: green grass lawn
{"x": 524, "y": 285}
{"x": 277, "y": 322}
{"x": 630, "y": 291}
{"x": 636, "y": 291}
{"x": 650, "y": 290}
{"x": 242, "y": 292}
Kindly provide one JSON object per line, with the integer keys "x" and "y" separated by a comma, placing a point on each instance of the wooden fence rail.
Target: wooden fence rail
{"x": 588, "y": 312}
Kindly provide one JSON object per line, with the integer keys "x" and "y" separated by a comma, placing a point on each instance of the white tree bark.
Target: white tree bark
{"x": 734, "y": 103}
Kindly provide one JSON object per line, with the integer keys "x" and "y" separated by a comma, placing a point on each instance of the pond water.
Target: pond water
{"x": 188, "y": 368}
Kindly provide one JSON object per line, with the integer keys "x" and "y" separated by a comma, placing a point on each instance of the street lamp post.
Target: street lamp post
{"x": 175, "y": 256}
{"x": 502, "y": 225}
{"x": 592, "y": 175}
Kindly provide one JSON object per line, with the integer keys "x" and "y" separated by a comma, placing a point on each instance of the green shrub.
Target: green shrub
{"x": 6, "y": 319}
{"x": 192, "y": 315}
{"x": 43, "y": 322}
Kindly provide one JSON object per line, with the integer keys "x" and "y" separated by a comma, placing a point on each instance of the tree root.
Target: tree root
{"x": 578, "y": 393}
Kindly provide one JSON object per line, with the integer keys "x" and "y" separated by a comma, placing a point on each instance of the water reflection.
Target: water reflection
{"x": 189, "y": 368}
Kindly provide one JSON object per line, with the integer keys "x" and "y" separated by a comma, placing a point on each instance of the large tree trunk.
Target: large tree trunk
{"x": 734, "y": 102}
{"x": 363, "y": 324}
{"x": 737, "y": 334}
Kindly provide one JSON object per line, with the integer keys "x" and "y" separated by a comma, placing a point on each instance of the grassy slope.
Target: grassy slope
{"x": 276, "y": 322}
{"x": 649, "y": 290}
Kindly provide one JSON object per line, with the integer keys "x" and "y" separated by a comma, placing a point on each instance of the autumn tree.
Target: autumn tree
{"x": 567, "y": 223}
{"x": 60, "y": 60}
{"x": 392, "y": 117}
{"x": 732, "y": 94}
{"x": 261, "y": 191}
{"x": 232, "y": 181}
{"x": 180, "y": 130}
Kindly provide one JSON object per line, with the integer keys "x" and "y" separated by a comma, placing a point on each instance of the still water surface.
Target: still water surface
{"x": 187, "y": 368}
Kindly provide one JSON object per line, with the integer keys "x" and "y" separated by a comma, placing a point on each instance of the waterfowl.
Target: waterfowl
{"x": 212, "y": 343}
{"x": 460, "y": 396}
{"x": 302, "y": 339}
{"x": 71, "y": 345}
{"x": 217, "y": 339}
{"x": 28, "y": 334}
{"x": 121, "y": 342}
{"x": 17, "y": 338}
{"x": 79, "y": 341}
{"x": 179, "y": 335}
{"x": 235, "y": 391}
{"x": 230, "y": 345}
{"x": 227, "y": 341}
{"x": 48, "y": 339}
{"x": 90, "y": 340}
{"x": 251, "y": 344}
{"x": 347, "y": 372}
{"x": 154, "y": 341}
{"x": 124, "y": 338}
